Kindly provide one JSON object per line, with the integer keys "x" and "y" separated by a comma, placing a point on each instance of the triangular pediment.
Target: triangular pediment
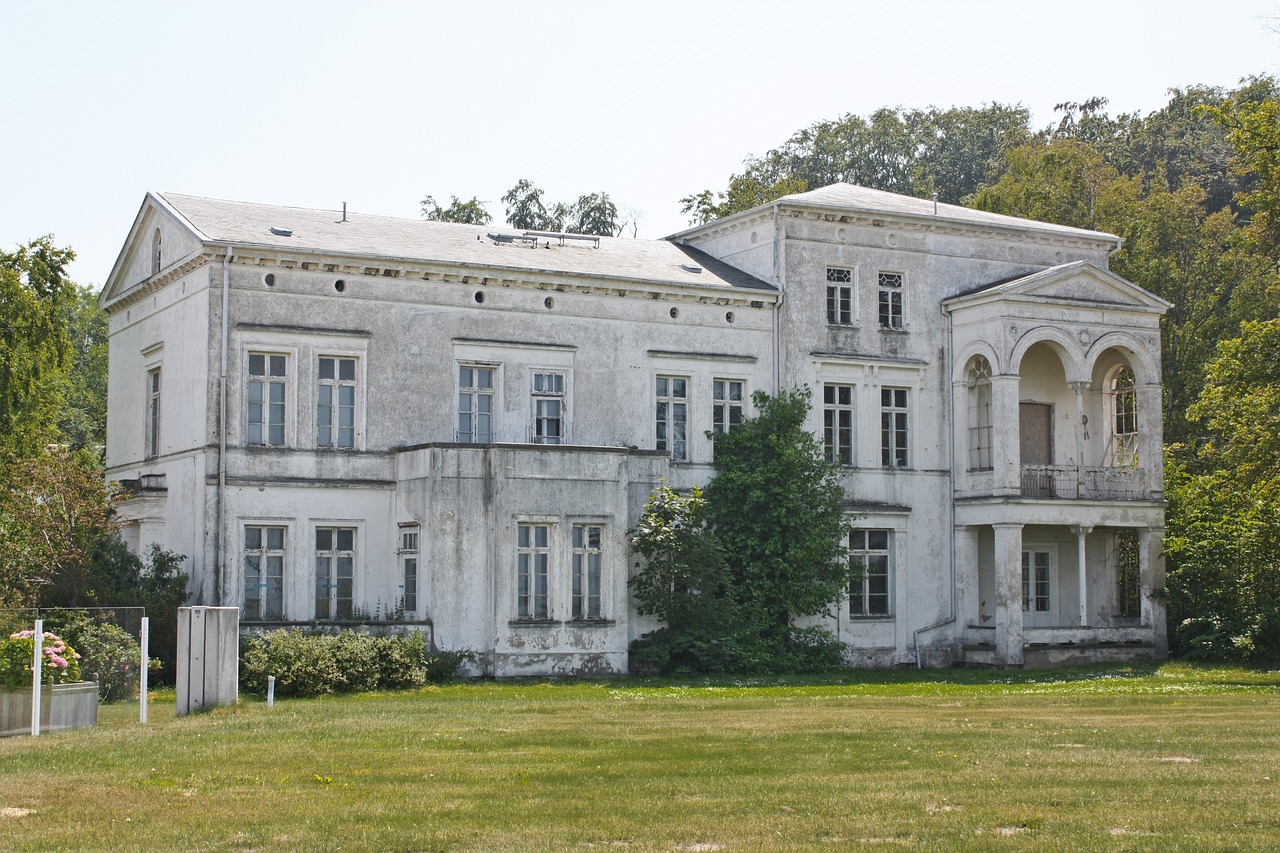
{"x": 141, "y": 258}
{"x": 1079, "y": 282}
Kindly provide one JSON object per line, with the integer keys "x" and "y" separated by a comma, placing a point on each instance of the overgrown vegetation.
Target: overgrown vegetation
{"x": 314, "y": 664}
{"x": 730, "y": 571}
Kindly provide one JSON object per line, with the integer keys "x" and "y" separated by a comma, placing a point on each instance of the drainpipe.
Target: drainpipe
{"x": 777, "y": 306}
{"x": 220, "y": 537}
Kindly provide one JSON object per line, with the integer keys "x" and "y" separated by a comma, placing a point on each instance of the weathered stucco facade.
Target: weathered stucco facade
{"x": 343, "y": 417}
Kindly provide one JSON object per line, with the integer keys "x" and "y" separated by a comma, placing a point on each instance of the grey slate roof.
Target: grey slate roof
{"x": 363, "y": 235}
{"x": 866, "y": 200}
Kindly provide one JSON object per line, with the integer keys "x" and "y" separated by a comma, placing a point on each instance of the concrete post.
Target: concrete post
{"x": 1006, "y": 450}
{"x": 1008, "y": 571}
{"x": 208, "y": 657}
{"x": 1151, "y": 575}
{"x": 1081, "y": 533}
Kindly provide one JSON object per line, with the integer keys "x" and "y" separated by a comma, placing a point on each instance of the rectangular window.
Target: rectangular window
{"x": 533, "y": 553}
{"x": 726, "y": 405}
{"x": 153, "y": 413}
{"x": 409, "y": 564}
{"x": 335, "y": 571}
{"x": 891, "y": 300}
{"x": 839, "y": 296}
{"x": 336, "y": 403}
{"x": 1036, "y": 573}
{"x": 548, "y": 408}
{"x": 475, "y": 405}
{"x": 586, "y": 571}
{"x": 266, "y": 399}
{"x": 837, "y": 423}
{"x": 672, "y": 418}
{"x": 893, "y": 427}
{"x": 869, "y": 552}
{"x": 263, "y": 574}
{"x": 1128, "y": 578}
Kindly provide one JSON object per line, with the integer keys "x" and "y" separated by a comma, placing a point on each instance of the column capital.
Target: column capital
{"x": 1081, "y": 530}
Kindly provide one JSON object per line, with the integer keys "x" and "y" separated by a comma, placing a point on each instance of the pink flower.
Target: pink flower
{"x": 60, "y": 663}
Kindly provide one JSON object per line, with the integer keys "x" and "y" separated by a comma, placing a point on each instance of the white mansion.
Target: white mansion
{"x": 340, "y": 418}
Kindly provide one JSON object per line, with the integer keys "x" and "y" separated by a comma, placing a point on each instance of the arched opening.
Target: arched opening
{"x": 978, "y": 384}
{"x": 1122, "y": 420}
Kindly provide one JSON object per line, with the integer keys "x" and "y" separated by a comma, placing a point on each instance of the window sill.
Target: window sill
{"x": 873, "y": 617}
{"x": 591, "y": 623}
{"x": 889, "y": 330}
{"x": 532, "y": 623}
{"x": 831, "y": 325}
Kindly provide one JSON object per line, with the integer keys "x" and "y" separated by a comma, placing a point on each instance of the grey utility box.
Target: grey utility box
{"x": 208, "y": 657}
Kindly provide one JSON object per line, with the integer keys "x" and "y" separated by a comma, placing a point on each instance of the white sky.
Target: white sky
{"x": 317, "y": 102}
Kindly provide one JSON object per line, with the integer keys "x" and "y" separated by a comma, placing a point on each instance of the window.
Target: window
{"x": 1036, "y": 574}
{"x": 1128, "y": 580}
{"x": 891, "y": 300}
{"x": 837, "y": 423}
{"x": 156, "y": 256}
{"x": 839, "y": 296}
{"x": 475, "y": 404}
{"x": 1124, "y": 408}
{"x": 869, "y": 552}
{"x": 726, "y": 405}
{"x": 978, "y": 382}
{"x": 335, "y": 569}
{"x": 586, "y": 571}
{"x": 532, "y": 557}
{"x": 548, "y": 408}
{"x": 893, "y": 427}
{"x": 409, "y": 563}
{"x": 266, "y": 399}
{"x": 336, "y": 403}
{"x": 153, "y": 413}
{"x": 672, "y": 418}
{"x": 263, "y": 574}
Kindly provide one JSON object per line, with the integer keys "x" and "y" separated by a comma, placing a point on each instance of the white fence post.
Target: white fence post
{"x": 142, "y": 673}
{"x": 35, "y": 678}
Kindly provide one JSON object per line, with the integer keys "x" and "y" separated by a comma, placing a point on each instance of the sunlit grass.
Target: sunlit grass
{"x": 1171, "y": 757}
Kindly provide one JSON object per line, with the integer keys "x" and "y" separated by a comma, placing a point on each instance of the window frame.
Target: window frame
{"x": 860, "y": 591}
{"x": 1128, "y": 574}
{"x": 726, "y": 412}
{"x": 267, "y": 380}
{"x": 895, "y": 428}
{"x": 334, "y": 555}
{"x": 560, "y": 397}
{"x": 474, "y": 393}
{"x": 151, "y": 427}
{"x": 533, "y": 564}
{"x": 1122, "y": 417}
{"x": 889, "y": 309}
{"x": 336, "y": 383}
{"x": 979, "y": 405}
{"x": 408, "y": 552}
{"x": 1032, "y": 594}
{"x": 581, "y": 570}
{"x": 841, "y": 296}
{"x": 663, "y": 438}
{"x": 264, "y": 552}
{"x": 831, "y": 423}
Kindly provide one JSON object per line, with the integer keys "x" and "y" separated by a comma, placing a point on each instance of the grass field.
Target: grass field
{"x": 1144, "y": 758}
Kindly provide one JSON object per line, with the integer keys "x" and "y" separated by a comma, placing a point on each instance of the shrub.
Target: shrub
{"x": 315, "y": 664}
{"x": 61, "y": 663}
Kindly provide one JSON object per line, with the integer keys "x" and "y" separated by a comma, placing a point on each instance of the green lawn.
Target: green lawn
{"x": 1145, "y": 758}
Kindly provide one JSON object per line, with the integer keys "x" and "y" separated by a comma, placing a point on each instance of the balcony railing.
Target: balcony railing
{"x": 1091, "y": 484}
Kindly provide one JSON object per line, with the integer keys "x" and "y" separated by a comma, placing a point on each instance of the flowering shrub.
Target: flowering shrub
{"x": 60, "y": 662}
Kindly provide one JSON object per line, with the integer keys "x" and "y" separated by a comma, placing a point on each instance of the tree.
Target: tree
{"x": 594, "y": 213}
{"x": 35, "y": 296}
{"x": 1224, "y": 507}
{"x": 1254, "y": 129}
{"x": 525, "y": 209}
{"x": 82, "y": 419}
{"x": 54, "y": 509}
{"x": 730, "y": 574}
{"x": 465, "y": 212}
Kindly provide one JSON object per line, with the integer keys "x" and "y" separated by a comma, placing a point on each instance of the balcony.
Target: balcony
{"x": 1066, "y": 482}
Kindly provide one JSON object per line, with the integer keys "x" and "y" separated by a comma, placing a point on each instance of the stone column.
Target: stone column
{"x": 1008, "y": 578}
{"x": 1081, "y": 533}
{"x": 1005, "y": 450}
{"x": 1151, "y": 576}
{"x": 1150, "y": 436}
{"x": 1079, "y": 388}
{"x": 967, "y": 583}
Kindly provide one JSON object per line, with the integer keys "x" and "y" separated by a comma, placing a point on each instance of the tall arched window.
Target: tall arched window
{"x": 978, "y": 381}
{"x": 1124, "y": 418}
{"x": 155, "y": 252}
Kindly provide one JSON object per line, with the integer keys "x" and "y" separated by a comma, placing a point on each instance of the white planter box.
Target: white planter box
{"x": 62, "y": 707}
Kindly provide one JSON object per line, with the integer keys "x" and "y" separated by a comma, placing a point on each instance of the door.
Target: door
{"x": 1035, "y": 429}
{"x": 1038, "y": 588}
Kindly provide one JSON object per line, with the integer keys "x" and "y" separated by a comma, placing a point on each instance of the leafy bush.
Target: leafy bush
{"x": 108, "y": 652}
{"x": 315, "y": 664}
